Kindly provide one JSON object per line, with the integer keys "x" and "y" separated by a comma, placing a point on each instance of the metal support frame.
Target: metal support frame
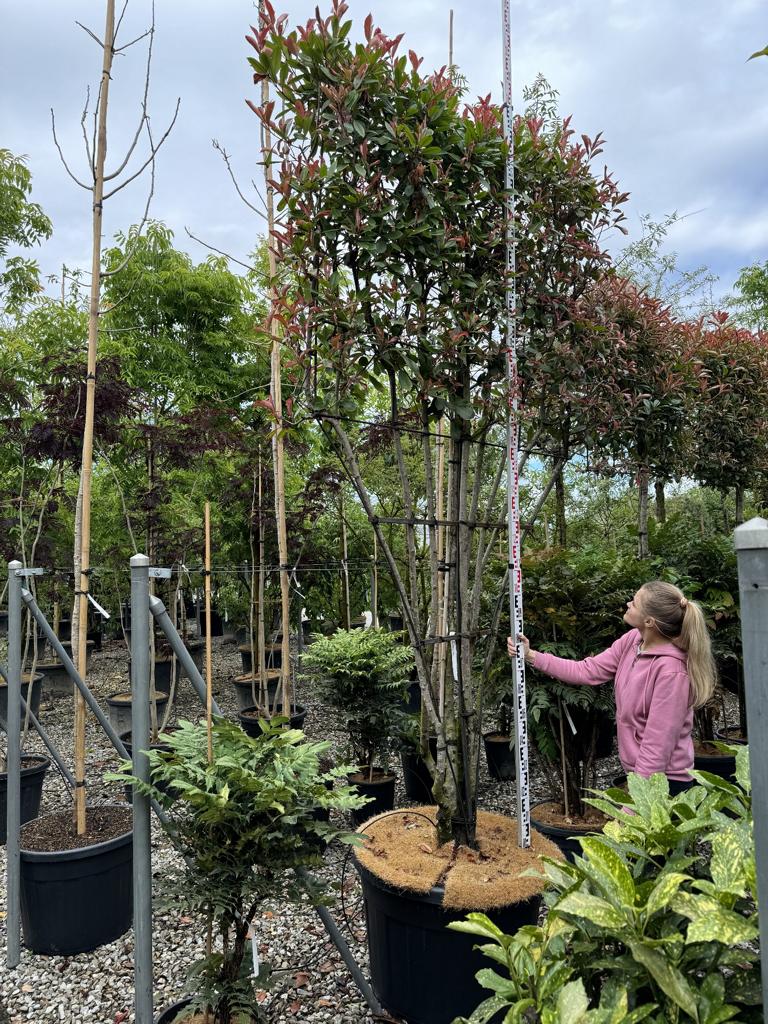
{"x": 13, "y": 767}
{"x": 751, "y": 543}
{"x": 142, "y": 829}
{"x": 158, "y": 610}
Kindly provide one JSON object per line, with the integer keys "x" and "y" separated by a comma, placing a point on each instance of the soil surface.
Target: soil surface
{"x": 57, "y": 831}
{"x": 553, "y": 813}
{"x": 125, "y": 697}
{"x": 708, "y": 749}
{"x": 378, "y": 776}
{"x": 27, "y": 761}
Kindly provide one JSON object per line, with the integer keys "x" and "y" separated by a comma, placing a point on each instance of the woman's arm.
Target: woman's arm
{"x": 590, "y": 671}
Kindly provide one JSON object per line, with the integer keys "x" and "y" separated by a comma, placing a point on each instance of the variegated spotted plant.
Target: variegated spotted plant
{"x": 656, "y": 921}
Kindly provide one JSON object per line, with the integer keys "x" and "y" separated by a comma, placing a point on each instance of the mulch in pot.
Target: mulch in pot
{"x": 55, "y": 832}
{"x": 553, "y": 813}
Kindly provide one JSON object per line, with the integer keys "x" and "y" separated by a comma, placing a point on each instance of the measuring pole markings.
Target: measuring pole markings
{"x": 513, "y": 439}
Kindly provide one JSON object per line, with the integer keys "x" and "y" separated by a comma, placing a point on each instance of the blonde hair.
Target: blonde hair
{"x": 682, "y": 622}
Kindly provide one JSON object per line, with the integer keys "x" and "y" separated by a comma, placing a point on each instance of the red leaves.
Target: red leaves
{"x": 415, "y": 60}
{"x": 368, "y": 28}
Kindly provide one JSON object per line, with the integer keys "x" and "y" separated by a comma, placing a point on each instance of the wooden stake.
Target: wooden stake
{"x": 276, "y": 394}
{"x": 450, "y": 39}
{"x": 260, "y": 631}
{"x": 83, "y": 541}
{"x": 443, "y": 650}
{"x": 208, "y": 676}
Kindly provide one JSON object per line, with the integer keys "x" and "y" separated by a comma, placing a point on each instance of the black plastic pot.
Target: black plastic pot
{"x": 500, "y": 756}
{"x": 73, "y": 901}
{"x": 395, "y": 622}
{"x": 120, "y": 711}
{"x": 170, "y": 1013}
{"x": 244, "y": 689}
{"x": 413, "y": 701}
{"x": 422, "y": 971}
{"x": 381, "y": 789}
{"x": 250, "y": 723}
{"x": 3, "y": 623}
{"x": 89, "y": 646}
{"x": 417, "y": 778}
{"x": 56, "y": 680}
{"x": 726, "y": 736}
{"x": 217, "y": 626}
{"x": 723, "y": 765}
{"x": 196, "y": 650}
{"x": 33, "y": 769}
{"x": 159, "y": 745}
{"x": 566, "y": 839}
{"x": 65, "y": 629}
{"x": 30, "y": 691}
{"x": 273, "y": 657}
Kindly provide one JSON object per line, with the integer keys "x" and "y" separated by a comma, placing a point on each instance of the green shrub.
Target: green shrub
{"x": 241, "y": 825}
{"x": 656, "y": 920}
{"x": 363, "y": 673}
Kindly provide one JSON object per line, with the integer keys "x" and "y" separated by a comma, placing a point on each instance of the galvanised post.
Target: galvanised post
{"x": 140, "y": 739}
{"x": 158, "y": 610}
{"x": 751, "y": 543}
{"x": 13, "y": 767}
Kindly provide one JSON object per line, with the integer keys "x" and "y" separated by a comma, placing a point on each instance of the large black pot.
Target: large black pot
{"x": 57, "y": 682}
{"x": 417, "y": 778}
{"x": 3, "y": 623}
{"x": 723, "y": 765}
{"x": 30, "y": 691}
{"x": 244, "y": 685}
{"x": 73, "y": 901}
{"x": 413, "y": 700}
{"x": 566, "y": 839}
{"x": 33, "y": 769}
{"x": 126, "y": 737}
{"x": 381, "y": 789}
{"x": 170, "y": 1013}
{"x": 273, "y": 657}
{"x": 217, "y": 626}
{"x": 250, "y": 723}
{"x": 500, "y": 756}
{"x": 422, "y": 971}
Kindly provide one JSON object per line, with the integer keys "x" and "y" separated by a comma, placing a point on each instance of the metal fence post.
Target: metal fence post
{"x": 751, "y": 542}
{"x": 140, "y": 738}
{"x": 13, "y": 767}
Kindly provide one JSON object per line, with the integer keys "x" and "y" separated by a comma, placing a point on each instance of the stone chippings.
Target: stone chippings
{"x": 312, "y": 983}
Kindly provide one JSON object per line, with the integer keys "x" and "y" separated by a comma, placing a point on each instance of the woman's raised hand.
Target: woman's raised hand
{"x": 512, "y": 647}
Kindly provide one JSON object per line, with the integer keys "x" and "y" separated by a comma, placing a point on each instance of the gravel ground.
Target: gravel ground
{"x": 313, "y": 984}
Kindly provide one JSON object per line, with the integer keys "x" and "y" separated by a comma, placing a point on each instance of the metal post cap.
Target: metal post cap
{"x": 751, "y": 535}
{"x": 139, "y": 560}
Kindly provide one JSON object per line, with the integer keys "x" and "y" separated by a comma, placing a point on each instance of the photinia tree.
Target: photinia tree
{"x": 391, "y": 230}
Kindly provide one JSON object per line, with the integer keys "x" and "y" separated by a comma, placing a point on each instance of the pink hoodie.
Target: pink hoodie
{"x": 653, "y": 714}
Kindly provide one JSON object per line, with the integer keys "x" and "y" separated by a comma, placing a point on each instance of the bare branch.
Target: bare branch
{"x": 221, "y": 252}
{"x": 91, "y": 34}
{"x": 122, "y": 49}
{"x": 144, "y": 117}
{"x": 88, "y": 188}
{"x": 153, "y": 153}
{"x": 129, "y": 254}
{"x": 120, "y": 21}
{"x": 225, "y": 158}
{"x": 88, "y": 150}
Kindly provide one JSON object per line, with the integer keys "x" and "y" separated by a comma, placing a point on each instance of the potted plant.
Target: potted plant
{"x": 242, "y": 823}
{"x": 393, "y": 218}
{"x": 363, "y": 674}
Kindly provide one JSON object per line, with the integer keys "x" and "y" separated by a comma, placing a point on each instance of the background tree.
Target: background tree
{"x": 23, "y": 224}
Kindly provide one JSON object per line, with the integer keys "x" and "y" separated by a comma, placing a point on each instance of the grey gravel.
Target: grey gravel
{"x": 313, "y": 984}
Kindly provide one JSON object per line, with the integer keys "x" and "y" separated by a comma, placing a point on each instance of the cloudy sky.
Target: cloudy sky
{"x": 685, "y": 117}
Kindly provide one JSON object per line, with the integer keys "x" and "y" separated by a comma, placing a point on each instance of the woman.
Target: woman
{"x": 662, "y": 669}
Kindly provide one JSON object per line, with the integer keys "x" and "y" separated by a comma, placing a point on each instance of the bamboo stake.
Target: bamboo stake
{"x": 86, "y": 470}
{"x": 450, "y": 39}
{"x": 276, "y": 393}
{"x": 208, "y": 676}
{"x": 344, "y": 566}
{"x": 442, "y": 609}
{"x": 260, "y": 631}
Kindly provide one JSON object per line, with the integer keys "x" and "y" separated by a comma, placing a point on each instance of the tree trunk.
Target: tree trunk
{"x": 661, "y": 502}
{"x": 739, "y": 496}
{"x": 642, "y": 512}
{"x": 346, "y": 611}
{"x": 560, "y": 523}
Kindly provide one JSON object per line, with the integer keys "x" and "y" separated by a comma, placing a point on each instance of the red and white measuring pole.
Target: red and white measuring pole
{"x": 513, "y": 478}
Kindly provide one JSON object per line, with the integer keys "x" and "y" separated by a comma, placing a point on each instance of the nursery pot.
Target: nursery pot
{"x": 413, "y": 700}
{"x": 66, "y": 644}
{"x": 707, "y": 758}
{"x": 65, "y": 629}
{"x": 30, "y": 691}
{"x": 500, "y": 756}
{"x": 119, "y": 708}
{"x": 417, "y": 778}
{"x": 33, "y": 769}
{"x": 251, "y": 716}
{"x": 162, "y": 673}
{"x": 170, "y": 1013}
{"x": 126, "y": 738}
{"x": 73, "y": 901}
{"x": 196, "y": 650}
{"x": 273, "y": 657}
{"x": 421, "y": 971}
{"x": 56, "y": 680}
{"x": 395, "y": 621}
{"x": 732, "y": 735}
{"x": 244, "y": 688}
{"x": 217, "y": 627}
{"x": 381, "y": 788}
{"x": 3, "y": 623}
{"x": 565, "y": 837}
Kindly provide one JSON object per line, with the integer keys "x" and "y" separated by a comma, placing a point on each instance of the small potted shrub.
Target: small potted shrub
{"x": 242, "y": 824}
{"x": 363, "y": 674}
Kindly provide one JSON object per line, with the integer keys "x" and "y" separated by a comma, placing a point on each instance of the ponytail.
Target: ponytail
{"x": 682, "y": 622}
{"x": 694, "y": 639}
